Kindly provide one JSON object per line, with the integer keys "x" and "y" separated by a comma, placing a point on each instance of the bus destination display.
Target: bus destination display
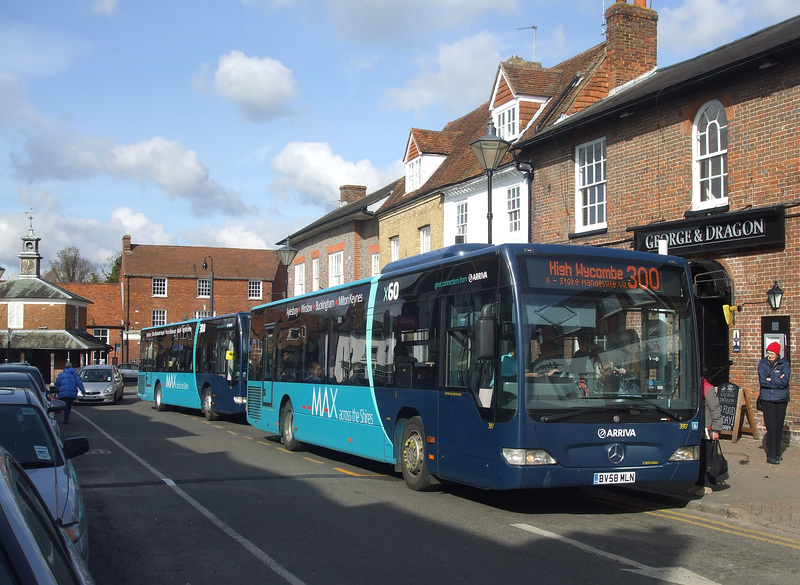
{"x": 608, "y": 276}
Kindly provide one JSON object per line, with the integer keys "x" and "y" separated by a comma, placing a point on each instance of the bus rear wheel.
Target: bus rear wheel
{"x": 290, "y": 443}
{"x": 413, "y": 462}
{"x": 207, "y": 406}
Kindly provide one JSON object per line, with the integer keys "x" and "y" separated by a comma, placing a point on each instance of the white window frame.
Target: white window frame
{"x": 159, "y": 286}
{"x": 507, "y": 122}
{"x": 315, "y": 274}
{"x": 591, "y": 194}
{"x": 102, "y": 334}
{"x": 255, "y": 289}
{"x": 203, "y": 288}
{"x": 375, "y": 264}
{"x": 424, "y": 239}
{"x": 336, "y": 268}
{"x": 414, "y": 174}
{"x": 299, "y": 279}
{"x": 462, "y": 217}
{"x": 710, "y": 157}
{"x": 202, "y": 314}
{"x": 158, "y": 317}
{"x": 394, "y": 248}
{"x": 514, "y": 204}
{"x": 16, "y": 315}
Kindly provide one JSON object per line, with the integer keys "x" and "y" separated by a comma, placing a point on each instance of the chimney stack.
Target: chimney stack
{"x": 351, "y": 193}
{"x": 631, "y": 41}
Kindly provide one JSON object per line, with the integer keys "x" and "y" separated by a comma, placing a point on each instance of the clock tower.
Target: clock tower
{"x": 30, "y": 260}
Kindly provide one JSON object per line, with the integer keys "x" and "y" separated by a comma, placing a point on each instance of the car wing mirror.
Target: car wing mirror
{"x": 56, "y": 406}
{"x": 75, "y": 446}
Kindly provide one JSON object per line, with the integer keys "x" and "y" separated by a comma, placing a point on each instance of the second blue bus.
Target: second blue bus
{"x": 197, "y": 363}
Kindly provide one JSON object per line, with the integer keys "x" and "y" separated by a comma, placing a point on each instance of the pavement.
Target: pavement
{"x": 756, "y": 492}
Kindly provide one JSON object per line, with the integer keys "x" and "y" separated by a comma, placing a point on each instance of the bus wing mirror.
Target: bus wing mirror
{"x": 485, "y": 333}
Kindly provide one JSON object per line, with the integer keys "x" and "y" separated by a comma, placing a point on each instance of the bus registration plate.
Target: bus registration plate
{"x": 615, "y": 477}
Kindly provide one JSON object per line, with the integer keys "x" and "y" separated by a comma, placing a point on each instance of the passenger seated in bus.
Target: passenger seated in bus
{"x": 287, "y": 365}
{"x": 358, "y": 378}
{"x": 314, "y": 373}
{"x": 425, "y": 378}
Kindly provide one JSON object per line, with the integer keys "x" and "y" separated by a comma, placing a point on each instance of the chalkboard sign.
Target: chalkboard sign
{"x": 728, "y": 402}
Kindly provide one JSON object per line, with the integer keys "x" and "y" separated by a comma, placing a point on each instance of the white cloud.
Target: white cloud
{"x": 231, "y": 235}
{"x": 105, "y": 7}
{"x": 56, "y": 152}
{"x": 312, "y": 172}
{"x": 140, "y": 227}
{"x": 262, "y": 88}
{"x": 460, "y": 80}
{"x": 696, "y": 26}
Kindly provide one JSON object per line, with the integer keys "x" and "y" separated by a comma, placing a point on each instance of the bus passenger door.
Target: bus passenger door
{"x": 261, "y": 366}
{"x": 466, "y": 441}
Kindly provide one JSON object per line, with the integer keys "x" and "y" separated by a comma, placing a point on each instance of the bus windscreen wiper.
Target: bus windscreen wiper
{"x": 660, "y": 409}
{"x": 564, "y": 415}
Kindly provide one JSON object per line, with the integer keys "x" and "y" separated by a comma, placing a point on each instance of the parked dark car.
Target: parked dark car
{"x": 36, "y": 549}
{"x": 24, "y": 379}
{"x": 130, "y": 372}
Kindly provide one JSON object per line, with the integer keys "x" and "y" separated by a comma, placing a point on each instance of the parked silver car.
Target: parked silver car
{"x": 103, "y": 383}
{"x": 130, "y": 372}
{"x": 26, "y": 434}
{"x": 37, "y": 550}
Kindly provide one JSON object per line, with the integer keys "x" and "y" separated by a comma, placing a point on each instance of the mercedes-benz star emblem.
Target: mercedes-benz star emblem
{"x": 616, "y": 453}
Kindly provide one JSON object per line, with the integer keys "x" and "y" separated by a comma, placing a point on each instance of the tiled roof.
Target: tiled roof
{"x": 527, "y": 78}
{"x": 748, "y": 52}
{"x": 54, "y": 340}
{"x": 187, "y": 261}
{"x": 36, "y": 288}
{"x": 459, "y": 166}
{"x": 356, "y": 211}
{"x": 433, "y": 142}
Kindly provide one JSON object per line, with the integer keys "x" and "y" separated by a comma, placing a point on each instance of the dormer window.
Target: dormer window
{"x": 414, "y": 174}
{"x": 507, "y": 122}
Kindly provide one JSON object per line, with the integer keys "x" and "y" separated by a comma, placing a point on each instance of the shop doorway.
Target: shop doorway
{"x": 713, "y": 288}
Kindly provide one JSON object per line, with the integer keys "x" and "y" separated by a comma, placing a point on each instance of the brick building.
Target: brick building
{"x": 341, "y": 246}
{"x": 45, "y": 324}
{"x": 165, "y": 284}
{"x": 704, "y": 155}
{"x": 103, "y": 318}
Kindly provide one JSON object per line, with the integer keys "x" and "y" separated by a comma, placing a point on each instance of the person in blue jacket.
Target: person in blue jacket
{"x": 773, "y": 378}
{"x": 69, "y": 384}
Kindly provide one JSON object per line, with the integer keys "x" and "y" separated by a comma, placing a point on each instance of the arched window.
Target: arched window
{"x": 710, "y": 173}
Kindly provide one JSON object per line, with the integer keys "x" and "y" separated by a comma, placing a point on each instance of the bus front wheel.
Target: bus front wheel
{"x": 207, "y": 406}
{"x": 290, "y": 443}
{"x": 413, "y": 461}
{"x": 159, "y": 403}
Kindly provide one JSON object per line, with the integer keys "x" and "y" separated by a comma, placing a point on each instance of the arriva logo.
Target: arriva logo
{"x": 615, "y": 433}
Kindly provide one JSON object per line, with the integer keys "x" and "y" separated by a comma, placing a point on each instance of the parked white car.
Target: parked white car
{"x": 103, "y": 383}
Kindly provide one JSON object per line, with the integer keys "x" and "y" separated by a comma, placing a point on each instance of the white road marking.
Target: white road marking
{"x": 677, "y": 575}
{"x": 273, "y": 565}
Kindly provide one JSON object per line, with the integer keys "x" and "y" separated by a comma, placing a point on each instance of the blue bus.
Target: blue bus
{"x": 197, "y": 363}
{"x": 501, "y": 367}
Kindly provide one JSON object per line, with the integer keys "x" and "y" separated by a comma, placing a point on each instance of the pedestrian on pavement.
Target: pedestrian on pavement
{"x": 712, "y": 426}
{"x": 773, "y": 379}
{"x": 69, "y": 384}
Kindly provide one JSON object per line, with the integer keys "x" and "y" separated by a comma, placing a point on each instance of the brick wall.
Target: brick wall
{"x": 649, "y": 179}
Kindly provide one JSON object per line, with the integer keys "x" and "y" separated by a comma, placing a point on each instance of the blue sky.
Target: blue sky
{"x": 233, "y": 122}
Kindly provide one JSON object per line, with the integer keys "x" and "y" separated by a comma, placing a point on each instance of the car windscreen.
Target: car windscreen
{"x": 26, "y": 435}
{"x": 96, "y": 374}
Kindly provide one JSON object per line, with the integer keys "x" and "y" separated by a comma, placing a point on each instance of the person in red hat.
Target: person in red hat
{"x": 773, "y": 378}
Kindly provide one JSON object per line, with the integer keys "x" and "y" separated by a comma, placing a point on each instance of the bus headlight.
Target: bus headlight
{"x": 687, "y": 453}
{"x": 240, "y": 400}
{"x": 528, "y": 457}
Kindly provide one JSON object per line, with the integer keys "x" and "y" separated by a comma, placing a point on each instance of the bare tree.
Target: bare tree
{"x": 71, "y": 267}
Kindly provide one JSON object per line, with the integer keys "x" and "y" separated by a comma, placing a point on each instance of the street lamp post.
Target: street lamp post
{"x": 490, "y": 150}
{"x": 286, "y": 256}
{"x": 211, "y": 288}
